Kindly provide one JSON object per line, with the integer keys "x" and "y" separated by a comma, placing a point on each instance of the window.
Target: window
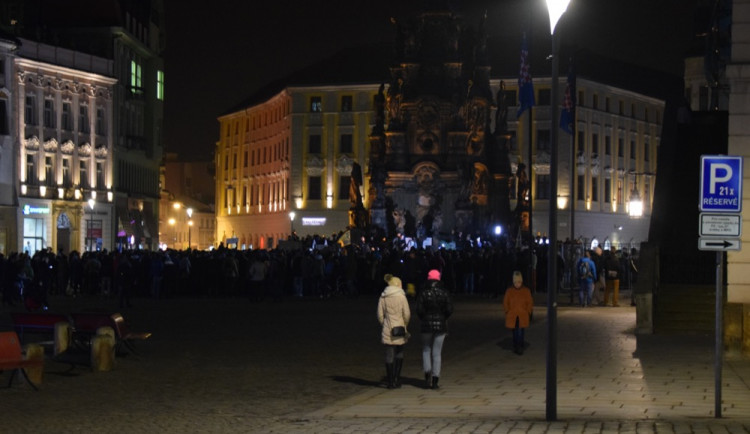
{"x": 314, "y": 146}
{"x": 606, "y": 104}
{"x": 620, "y": 107}
{"x": 67, "y": 117}
{"x": 581, "y": 188}
{"x": 316, "y": 104}
{"x": 313, "y": 187}
{"x": 594, "y": 145}
{"x": 544, "y": 97}
{"x": 160, "y": 85}
{"x": 511, "y": 97}
{"x": 581, "y": 101}
{"x": 244, "y": 196}
{"x": 619, "y": 191}
{"x": 344, "y": 182}
{"x": 607, "y": 146}
{"x": 346, "y": 144}
{"x": 3, "y": 117}
{"x": 30, "y": 110}
{"x": 49, "y": 174}
{"x": 136, "y": 79}
{"x": 346, "y": 103}
{"x": 244, "y": 160}
{"x": 30, "y": 174}
{"x": 99, "y": 174}
{"x": 66, "y": 172}
{"x": 100, "y": 123}
{"x": 542, "y": 186}
{"x": 234, "y": 161}
{"x": 632, "y": 149}
{"x": 49, "y": 113}
{"x": 543, "y": 140}
{"x": 83, "y": 119}
{"x": 83, "y": 173}
{"x": 620, "y": 146}
{"x": 594, "y": 189}
{"x": 33, "y": 235}
{"x": 595, "y": 104}
{"x": 607, "y": 190}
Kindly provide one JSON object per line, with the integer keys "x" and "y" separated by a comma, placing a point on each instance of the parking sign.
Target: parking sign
{"x": 721, "y": 183}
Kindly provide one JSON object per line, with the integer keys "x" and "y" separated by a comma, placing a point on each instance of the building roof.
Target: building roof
{"x": 370, "y": 64}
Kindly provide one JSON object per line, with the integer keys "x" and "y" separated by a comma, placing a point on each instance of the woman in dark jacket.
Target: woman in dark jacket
{"x": 434, "y": 306}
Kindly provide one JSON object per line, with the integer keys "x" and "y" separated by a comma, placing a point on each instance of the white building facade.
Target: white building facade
{"x": 58, "y": 149}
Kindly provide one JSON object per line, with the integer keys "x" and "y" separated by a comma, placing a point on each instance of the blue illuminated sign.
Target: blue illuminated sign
{"x": 721, "y": 183}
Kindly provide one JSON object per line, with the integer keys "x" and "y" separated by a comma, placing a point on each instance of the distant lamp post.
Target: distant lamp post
{"x": 190, "y": 227}
{"x": 291, "y": 219}
{"x": 172, "y": 222}
{"x": 555, "y": 8}
{"x": 90, "y": 242}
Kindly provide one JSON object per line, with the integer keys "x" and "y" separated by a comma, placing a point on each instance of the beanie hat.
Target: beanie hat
{"x": 433, "y": 275}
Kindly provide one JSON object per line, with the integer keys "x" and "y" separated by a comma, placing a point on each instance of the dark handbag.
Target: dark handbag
{"x": 398, "y": 332}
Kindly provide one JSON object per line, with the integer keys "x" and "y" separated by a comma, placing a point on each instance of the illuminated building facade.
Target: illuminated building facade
{"x": 57, "y": 140}
{"x": 291, "y": 152}
{"x": 295, "y": 150}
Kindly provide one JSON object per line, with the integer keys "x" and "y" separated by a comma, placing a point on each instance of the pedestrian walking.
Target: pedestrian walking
{"x": 518, "y": 306}
{"x": 612, "y": 273}
{"x": 393, "y": 315}
{"x": 434, "y": 307}
{"x": 586, "y": 270}
{"x": 599, "y": 283}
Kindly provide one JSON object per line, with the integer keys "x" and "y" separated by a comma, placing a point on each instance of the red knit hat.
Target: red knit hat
{"x": 433, "y": 275}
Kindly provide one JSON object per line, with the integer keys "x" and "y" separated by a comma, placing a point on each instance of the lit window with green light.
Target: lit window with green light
{"x": 160, "y": 85}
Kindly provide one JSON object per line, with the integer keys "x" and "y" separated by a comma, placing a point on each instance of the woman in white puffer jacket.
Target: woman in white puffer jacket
{"x": 393, "y": 312}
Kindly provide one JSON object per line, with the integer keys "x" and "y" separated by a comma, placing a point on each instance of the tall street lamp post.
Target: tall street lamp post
{"x": 190, "y": 227}
{"x": 555, "y": 8}
{"x": 90, "y": 227}
{"x": 291, "y": 219}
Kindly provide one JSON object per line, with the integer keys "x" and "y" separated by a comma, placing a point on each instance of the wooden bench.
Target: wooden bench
{"x": 86, "y": 324}
{"x": 32, "y": 322}
{"x": 11, "y": 358}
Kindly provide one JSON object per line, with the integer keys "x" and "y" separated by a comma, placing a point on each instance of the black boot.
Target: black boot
{"x": 435, "y": 383}
{"x": 390, "y": 376}
{"x": 397, "y": 372}
{"x": 428, "y": 379}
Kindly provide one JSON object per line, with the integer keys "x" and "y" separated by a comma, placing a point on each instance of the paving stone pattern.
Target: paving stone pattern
{"x": 301, "y": 366}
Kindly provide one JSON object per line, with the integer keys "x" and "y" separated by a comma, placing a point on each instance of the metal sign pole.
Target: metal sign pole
{"x": 719, "y": 338}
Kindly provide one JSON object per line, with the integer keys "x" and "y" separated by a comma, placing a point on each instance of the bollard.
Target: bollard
{"x": 62, "y": 337}
{"x": 35, "y": 374}
{"x": 103, "y": 350}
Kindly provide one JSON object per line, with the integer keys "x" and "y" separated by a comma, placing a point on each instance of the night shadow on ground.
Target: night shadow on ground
{"x": 405, "y": 381}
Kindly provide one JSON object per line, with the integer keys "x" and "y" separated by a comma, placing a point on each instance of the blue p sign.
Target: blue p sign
{"x": 721, "y": 183}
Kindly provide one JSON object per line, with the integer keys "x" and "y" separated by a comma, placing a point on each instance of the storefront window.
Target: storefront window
{"x": 33, "y": 235}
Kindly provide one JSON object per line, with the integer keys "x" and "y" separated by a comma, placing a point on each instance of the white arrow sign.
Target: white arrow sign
{"x": 719, "y": 244}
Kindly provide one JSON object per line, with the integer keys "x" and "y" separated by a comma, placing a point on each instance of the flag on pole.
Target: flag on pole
{"x": 525, "y": 85}
{"x": 345, "y": 239}
{"x": 568, "y": 113}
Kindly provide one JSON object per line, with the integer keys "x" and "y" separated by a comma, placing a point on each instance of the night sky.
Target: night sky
{"x": 217, "y": 58}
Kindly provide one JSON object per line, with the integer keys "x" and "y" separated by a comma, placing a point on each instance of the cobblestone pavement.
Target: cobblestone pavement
{"x": 301, "y": 366}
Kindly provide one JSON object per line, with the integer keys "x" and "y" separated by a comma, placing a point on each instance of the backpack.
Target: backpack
{"x": 583, "y": 270}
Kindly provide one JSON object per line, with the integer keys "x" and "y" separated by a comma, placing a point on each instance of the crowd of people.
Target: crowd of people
{"x": 311, "y": 267}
